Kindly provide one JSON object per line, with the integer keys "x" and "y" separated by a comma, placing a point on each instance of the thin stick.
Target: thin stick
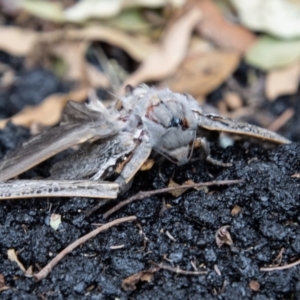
{"x": 282, "y": 119}
{"x": 47, "y": 269}
{"x": 288, "y": 266}
{"x": 142, "y": 195}
{"x": 176, "y": 270}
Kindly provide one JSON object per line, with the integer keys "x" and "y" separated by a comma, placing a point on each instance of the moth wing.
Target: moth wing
{"x": 55, "y": 140}
{"x": 217, "y": 123}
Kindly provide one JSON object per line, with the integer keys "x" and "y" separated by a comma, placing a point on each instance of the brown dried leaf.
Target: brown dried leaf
{"x": 236, "y": 210}
{"x": 166, "y": 59}
{"x": 12, "y": 256}
{"x": 254, "y": 285}
{"x": 48, "y": 112}
{"x": 175, "y": 193}
{"x": 137, "y": 47}
{"x": 22, "y": 42}
{"x": 283, "y": 81}
{"x": 223, "y": 236}
{"x": 147, "y": 165}
{"x": 17, "y": 41}
{"x": 221, "y": 32}
{"x": 201, "y": 74}
{"x": 129, "y": 283}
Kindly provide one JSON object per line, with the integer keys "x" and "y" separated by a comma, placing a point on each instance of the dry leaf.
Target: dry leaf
{"x": 129, "y": 283}
{"x": 201, "y": 74}
{"x": 22, "y": 42}
{"x": 48, "y": 112}
{"x": 223, "y": 236}
{"x": 3, "y": 287}
{"x": 166, "y": 59}
{"x": 73, "y": 54}
{"x": 233, "y": 100}
{"x": 12, "y": 256}
{"x": 175, "y": 193}
{"x": 137, "y": 47}
{"x": 277, "y": 17}
{"x": 224, "y": 34}
{"x": 95, "y": 77}
{"x": 86, "y": 9}
{"x": 147, "y": 165}
{"x": 55, "y": 221}
{"x": 283, "y": 81}
{"x": 47, "y": 10}
{"x": 236, "y": 210}
{"x": 17, "y": 41}
{"x": 254, "y": 285}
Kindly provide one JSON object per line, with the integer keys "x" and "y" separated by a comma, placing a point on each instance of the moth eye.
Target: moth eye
{"x": 175, "y": 122}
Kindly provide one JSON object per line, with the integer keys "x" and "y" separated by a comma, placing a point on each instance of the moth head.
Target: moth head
{"x": 170, "y": 124}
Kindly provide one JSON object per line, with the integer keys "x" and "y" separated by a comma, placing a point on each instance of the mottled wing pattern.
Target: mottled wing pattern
{"x": 221, "y": 124}
{"x": 81, "y": 125}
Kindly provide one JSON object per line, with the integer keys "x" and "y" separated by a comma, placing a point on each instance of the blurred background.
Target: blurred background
{"x": 239, "y": 58}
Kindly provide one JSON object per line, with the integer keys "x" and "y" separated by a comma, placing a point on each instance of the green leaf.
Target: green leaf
{"x": 271, "y": 53}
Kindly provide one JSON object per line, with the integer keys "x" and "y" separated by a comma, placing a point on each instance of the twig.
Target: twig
{"x": 47, "y": 269}
{"x": 282, "y": 119}
{"x": 142, "y": 195}
{"x": 288, "y": 266}
{"x": 176, "y": 270}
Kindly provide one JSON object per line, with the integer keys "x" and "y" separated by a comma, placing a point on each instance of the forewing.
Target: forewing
{"x": 79, "y": 126}
{"x": 221, "y": 124}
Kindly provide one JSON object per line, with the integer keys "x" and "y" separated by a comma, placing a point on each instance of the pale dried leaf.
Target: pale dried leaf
{"x": 12, "y": 256}
{"x": 86, "y": 9}
{"x": 271, "y": 53}
{"x": 277, "y": 17}
{"x": 72, "y": 53}
{"x": 3, "y": 287}
{"x": 129, "y": 283}
{"x": 47, "y": 10}
{"x": 55, "y": 221}
{"x": 224, "y": 34}
{"x": 233, "y": 100}
{"x": 48, "y": 112}
{"x": 96, "y": 78}
{"x": 283, "y": 81}
{"x": 166, "y": 59}
{"x": 17, "y": 41}
{"x": 137, "y": 47}
{"x": 223, "y": 236}
{"x": 175, "y": 193}
{"x": 201, "y": 74}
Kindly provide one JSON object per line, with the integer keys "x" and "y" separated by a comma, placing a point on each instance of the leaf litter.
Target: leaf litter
{"x": 268, "y": 218}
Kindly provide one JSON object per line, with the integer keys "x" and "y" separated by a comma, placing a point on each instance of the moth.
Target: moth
{"x": 116, "y": 141}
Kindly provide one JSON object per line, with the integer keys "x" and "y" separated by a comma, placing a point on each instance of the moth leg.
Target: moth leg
{"x": 205, "y": 145}
{"x": 140, "y": 155}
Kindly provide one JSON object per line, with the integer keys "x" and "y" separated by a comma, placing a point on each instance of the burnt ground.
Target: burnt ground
{"x": 267, "y": 222}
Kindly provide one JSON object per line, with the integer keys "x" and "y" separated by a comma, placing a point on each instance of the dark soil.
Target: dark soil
{"x": 268, "y": 222}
